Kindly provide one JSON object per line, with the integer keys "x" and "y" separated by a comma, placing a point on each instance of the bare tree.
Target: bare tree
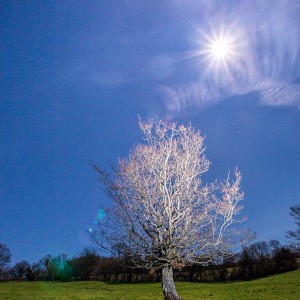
{"x": 5, "y": 256}
{"x": 262, "y": 252}
{"x": 295, "y": 213}
{"x": 22, "y": 271}
{"x": 163, "y": 215}
{"x": 84, "y": 265}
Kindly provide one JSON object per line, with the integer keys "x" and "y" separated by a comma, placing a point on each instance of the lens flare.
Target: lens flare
{"x": 101, "y": 214}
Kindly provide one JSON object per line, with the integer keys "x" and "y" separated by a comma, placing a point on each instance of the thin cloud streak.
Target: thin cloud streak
{"x": 98, "y": 77}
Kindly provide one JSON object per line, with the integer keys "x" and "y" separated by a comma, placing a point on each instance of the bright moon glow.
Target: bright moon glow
{"x": 221, "y": 49}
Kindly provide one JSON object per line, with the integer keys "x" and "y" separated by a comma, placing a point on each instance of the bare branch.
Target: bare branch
{"x": 163, "y": 215}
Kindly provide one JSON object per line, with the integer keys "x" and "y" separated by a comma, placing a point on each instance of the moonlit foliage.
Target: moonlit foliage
{"x": 164, "y": 216}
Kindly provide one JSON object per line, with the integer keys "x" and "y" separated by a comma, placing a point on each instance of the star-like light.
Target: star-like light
{"x": 220, "y": 49}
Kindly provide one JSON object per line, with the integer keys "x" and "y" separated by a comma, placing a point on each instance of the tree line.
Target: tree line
{"x": 254, "y": 261}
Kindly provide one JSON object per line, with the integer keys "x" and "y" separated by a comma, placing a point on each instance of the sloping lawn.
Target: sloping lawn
{"x": 285, "y": 286}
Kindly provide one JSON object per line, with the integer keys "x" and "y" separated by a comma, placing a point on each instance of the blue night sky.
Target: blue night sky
{"x": 76, "y": 74}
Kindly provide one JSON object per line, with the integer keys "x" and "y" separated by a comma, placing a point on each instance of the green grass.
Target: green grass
{"x": 285, "y": 286}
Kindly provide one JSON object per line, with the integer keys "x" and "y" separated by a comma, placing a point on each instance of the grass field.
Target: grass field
{"x": 285, "y": 286}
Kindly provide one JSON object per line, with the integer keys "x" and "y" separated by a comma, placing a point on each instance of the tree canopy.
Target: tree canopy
{"x": 164, "y": 215}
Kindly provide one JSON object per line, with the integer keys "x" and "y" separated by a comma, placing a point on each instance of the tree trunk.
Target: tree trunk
{"x": 168, "y": 285}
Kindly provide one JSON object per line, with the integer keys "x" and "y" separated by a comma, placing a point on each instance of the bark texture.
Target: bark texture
{"x": 168, "y": 284}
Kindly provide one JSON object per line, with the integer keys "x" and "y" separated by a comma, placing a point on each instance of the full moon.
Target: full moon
{"x": 220, "y": 49}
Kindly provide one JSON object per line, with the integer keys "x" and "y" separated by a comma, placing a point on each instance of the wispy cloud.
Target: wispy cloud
{"x": 268, "y": 64}
{"x": 99, "y": 77}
